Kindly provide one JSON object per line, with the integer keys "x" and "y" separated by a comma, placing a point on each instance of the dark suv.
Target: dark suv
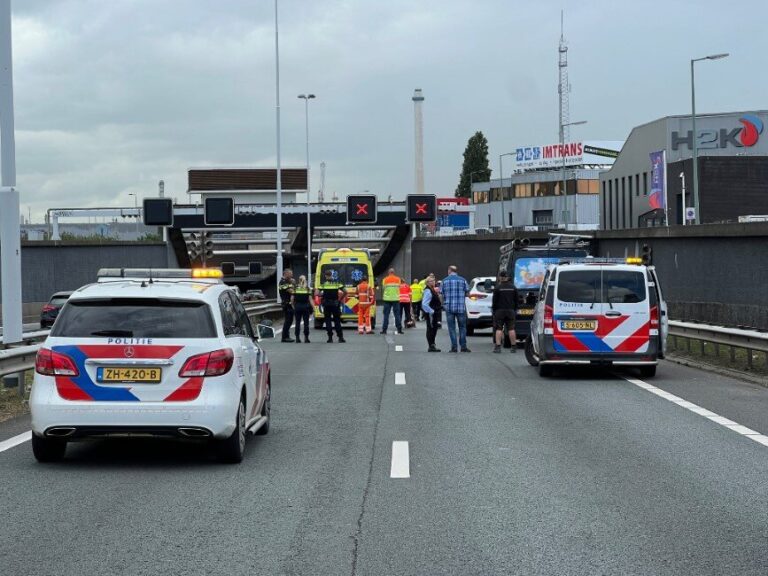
{"x": 51, "y": 310}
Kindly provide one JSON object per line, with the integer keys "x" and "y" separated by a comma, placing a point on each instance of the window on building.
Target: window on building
{"x": 542, "y": 217}
{"x": 616, "y": 206}
{"x": 645, "y": 183}
{"x": 637, "y": 184}
{"x": 629, "y": 186}
{"x": 509, "y": 223}
{"x": 604, "y": 207}
{"x": 624, "y": 202}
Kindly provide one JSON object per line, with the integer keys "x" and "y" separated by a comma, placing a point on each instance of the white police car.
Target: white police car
{"x": 151, "y": 353}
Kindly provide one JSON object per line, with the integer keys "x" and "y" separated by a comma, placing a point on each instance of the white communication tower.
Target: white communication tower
{"x": 563, "y": 88}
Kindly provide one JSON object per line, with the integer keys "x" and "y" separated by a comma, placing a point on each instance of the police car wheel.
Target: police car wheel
{"x": 530, "y": 354}
{"x": 47, "y": 450}
{"x": 648, "y": 371}
{"x": 470, "y": 330}
{"x": 231, "y": 450}
{"x": 266, "y": 410}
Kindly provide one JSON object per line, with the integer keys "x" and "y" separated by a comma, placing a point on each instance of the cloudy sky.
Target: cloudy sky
{"x": 114, "y": 95}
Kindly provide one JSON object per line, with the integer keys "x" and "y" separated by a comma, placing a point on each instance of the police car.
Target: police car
{"x": 147, "y": 352}
{"x": 599, "y": 311}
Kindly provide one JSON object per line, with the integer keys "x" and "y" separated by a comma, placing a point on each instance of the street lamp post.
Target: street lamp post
{"x": 307, "y": 98}
{"x": 682, "y": 185}
{"x": 279, "y": 184}
{"x": 694, "y": 144}
{"x": 501, "y": 188}
{"x": 562, "y": 154}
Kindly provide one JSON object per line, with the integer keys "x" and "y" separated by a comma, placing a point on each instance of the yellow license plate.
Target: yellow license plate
{"x": 579, "y": 325}
{"x": 123, "y": 375}
{"x": 525, "y": 312}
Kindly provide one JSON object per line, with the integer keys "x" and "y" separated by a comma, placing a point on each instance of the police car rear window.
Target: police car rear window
{"x": 135, "y": 318}
{"x": 601, "y": 286}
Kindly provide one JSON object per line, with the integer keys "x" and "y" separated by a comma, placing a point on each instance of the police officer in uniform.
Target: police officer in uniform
{"x": 285, "y": 288}
{"x": 302, "y": 307}
{"x": 329, "y": 298}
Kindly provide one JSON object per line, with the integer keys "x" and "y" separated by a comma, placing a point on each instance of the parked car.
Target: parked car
{"x": 251, "y": 295}
{"x": 599, "y": 311}
{"x": 478, "y": 303}
{"x": 51, "y": 310}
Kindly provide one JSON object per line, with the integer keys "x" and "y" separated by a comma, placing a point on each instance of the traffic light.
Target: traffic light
{"x": 158, "y": 212}
{"x": 361, "y": 209}
{"x": 228, "y": 268}
{"x": 219, "y": 211}
{"x": 647, "y": 255}
{"x": 207, "y": 246}
{"x": 421, "y": 207}
{"x": 193, "y": 246}
{"x": 254, "y": 268}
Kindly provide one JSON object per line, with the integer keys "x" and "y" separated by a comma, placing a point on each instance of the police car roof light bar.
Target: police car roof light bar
{"x": 158, "y": 273}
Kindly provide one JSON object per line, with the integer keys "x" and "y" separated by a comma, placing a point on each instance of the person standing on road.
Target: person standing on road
{"x": 504, "y": 308}
{"x": 454, "y": 290}
{"x": 431, "y": 306}
{"x": 285, "y": 290}
{"x": 302, "y": 307}
{"x": 417, "y": 293}
{"x": 391, "y": 297}
{"x": 365, "y": 299}
{"x": 405, "y": 304}
{"x": 332, "y": 294}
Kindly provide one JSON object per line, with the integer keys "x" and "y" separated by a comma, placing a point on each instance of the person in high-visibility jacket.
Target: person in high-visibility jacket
{"x": 365, "y": 299}
{"x": 417, "y": 293}
{"x": 405, "y": 304}
{"x": 391, "y": 297}
{"x": 302, "y": 306}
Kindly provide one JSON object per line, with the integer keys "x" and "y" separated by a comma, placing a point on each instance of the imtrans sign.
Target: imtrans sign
{"x": 570, "y": 154}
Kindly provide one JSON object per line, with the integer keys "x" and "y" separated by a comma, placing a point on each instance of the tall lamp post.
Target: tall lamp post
{"x": 694, "y": 146}
{"x": 562, "y": 154}
{"x": 501, "y": 188}
{"x": 307, "y": 98}
{"x": 279, "y": 184}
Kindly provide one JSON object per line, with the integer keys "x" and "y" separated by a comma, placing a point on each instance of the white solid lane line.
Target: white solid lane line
{"x": 15, "y": 441}
{"x": 401, "y": 467}
{"x": 398, "y": 348}
{"x": 400, "y": 378}
{"x": 708, "y": 414}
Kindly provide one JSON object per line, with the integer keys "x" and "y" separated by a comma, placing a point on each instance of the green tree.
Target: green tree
{"x": 475, "y": 167}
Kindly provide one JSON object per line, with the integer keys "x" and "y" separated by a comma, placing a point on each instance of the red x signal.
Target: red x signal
{"x": 421, "y": 208}
{"x": 362, "y": 210}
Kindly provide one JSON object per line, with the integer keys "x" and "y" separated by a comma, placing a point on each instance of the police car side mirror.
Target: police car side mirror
{"x": 265, "y": 331}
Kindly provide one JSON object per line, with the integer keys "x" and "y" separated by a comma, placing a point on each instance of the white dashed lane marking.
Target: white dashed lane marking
{"x": 400, "y": 378}
{"x": 15, "y": 441}
{"x": 708, "y": 414}
{"x": 401, "y": 467}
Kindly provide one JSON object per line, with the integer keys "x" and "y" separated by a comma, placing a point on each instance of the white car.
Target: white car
{"x": 478, "y": 303}
{"x": 151, "y": 353}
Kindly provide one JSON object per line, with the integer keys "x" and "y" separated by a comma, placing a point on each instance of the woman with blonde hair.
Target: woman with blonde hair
{"x": 302, "y": 305}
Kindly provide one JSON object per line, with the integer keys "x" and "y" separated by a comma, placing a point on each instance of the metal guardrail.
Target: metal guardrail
{"x": 27, "y": 338}
{"x": 749, "y": 340}
{"x": 21, "y": 359}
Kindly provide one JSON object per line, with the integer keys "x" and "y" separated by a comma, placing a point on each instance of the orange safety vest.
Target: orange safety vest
{"x": 391, "y": 292}
{"x": 364, "y": 296}
{"x": 405, "y": 294}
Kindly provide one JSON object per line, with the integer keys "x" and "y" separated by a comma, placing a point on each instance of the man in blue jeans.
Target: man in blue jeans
{"x": 454, "y": 290}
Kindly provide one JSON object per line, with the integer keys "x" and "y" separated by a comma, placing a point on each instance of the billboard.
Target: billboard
{"x": 589, "y": 152}
{"x": 447, "y": 214}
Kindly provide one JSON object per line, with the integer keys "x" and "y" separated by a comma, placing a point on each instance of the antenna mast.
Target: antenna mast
{"x": 563, "y": 87}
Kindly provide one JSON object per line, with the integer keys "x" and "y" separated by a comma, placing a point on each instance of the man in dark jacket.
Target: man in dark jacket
{"x": 285, "y": 291}
{"x": 504, "y": 307}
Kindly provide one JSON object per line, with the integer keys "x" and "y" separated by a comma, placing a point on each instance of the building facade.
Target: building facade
{"x": 732, "y": 166}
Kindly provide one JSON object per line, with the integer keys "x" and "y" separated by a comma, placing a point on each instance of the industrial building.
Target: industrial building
{"x": 732, "y": 169}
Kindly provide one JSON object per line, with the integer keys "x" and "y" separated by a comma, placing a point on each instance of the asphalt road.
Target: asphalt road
{"x": 583, "y": 473}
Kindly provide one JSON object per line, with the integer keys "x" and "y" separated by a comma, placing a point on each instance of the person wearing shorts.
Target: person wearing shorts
{"x": 504, "y": 307}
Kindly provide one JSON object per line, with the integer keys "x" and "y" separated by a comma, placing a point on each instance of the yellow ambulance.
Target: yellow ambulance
{"x": 349, "y": 266}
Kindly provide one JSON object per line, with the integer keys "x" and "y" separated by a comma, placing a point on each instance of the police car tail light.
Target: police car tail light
{"x": 50, "y": 363}
{"x": 209, "y": 364}
{"x": 548, "y": 316}
{"x": 654, "y": 316}
{"x": 478, "y": 296}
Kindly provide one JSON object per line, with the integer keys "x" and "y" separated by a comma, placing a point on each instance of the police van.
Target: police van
{"x": 348, "y": 266}
{"x": 599, "y": 311}
{"x": 148, "y": 352}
